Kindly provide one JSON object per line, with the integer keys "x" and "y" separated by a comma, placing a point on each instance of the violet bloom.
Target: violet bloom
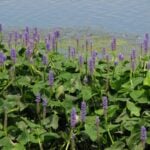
{"x": 13, "y": 54}
{"x": 107, "y": 57}
{"x": 148, "y": 65}
{"x": 121, "y": 57}
{"x": 83, "y": 111}
{"x": 85, "y": 80}
{"x": 51, "y": 78}
{"x": 44, "y": 60}
{"x": 16, "y": 37}
{"x": 44, "y": 102}
{"x": 2, "y": 58}
{"x": 48, "y": 46}
{"x": 113, "y": 44}
{"x": 97, "y": 121}
{"x": 93, "y": 55}
{"x": 147, "y": 36}
{"x": 81, "y": 61}
{"x": 145, "y": 46}
{"x": 116, "y": 63}
{"x": 105, "y": 104}
{"x": 0, "y": 28}
{"x": 27, "y": 29}
{"x": 73, "y": 119}
{"x": 29, "y": 53}
{"x": 143, "y": 134}
{"x": 38, "y": 98}
{"x": 57, "y": 34}
{"x": 72, "y": 52}
{"x": 133, "y": 54}
{"x": 91, "y": 66}
{"x": 49, "y": 36}
{"x": 26, "y": 37}
{"x": 103, "y": 51}
{"x": 53, "y": 42}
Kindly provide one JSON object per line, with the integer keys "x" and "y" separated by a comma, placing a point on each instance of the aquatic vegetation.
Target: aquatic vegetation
{"x": 74, "y": 98}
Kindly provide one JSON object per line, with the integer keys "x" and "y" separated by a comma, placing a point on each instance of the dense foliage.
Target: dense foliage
{"x": 85, "y": 100}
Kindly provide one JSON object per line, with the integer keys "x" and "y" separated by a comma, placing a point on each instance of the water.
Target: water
{"x": 121, "y": 16}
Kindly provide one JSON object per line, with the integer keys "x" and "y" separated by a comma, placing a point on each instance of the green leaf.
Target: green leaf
{"x": 99, "y": 112}
{"x": 23, "y": 138}
{"x": 19, "y": 146}
{"x": 134, "y": 110}
{"x": 136, "y": 81}
{"x": 136, "y": 94}
{"x": 60, "y": 91}
{"x": 90, "y": 128}
{"x": 147, "y": 79}
{"x": 50, "y": 135}
{"x": 54, "y": 121}
{"x": 86, "y": 92}
{"x": 4, "y": 75}
{"x": 6, "y": 142}
{"x": 23, "y": 81}
{"x": 118, "y": 145}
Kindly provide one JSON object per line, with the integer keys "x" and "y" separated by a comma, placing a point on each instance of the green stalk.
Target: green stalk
{"x": 39, "y": 141}
{"x": 70, "y": 141}
{"x": 44, "y": 112}
{"x": 5, "y": 120}
{"x": 108, "y": 131}
{"x": 37, "y": 108}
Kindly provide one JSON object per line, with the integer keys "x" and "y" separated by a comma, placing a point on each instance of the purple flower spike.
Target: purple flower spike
{"x": 44, "y": 102}
{"x": 29, "y": 53}
{"x": 107, "y": 57}
{"x": 133, "y": 55}
{"x": 44, "y": 60}
{"x": 48, "y": 46}
{"x": 53, "y": 42}
{"x": 97, "y": 121}
{"x": 81, "y": 60}
{"x": 73, "y": 118}
{"x": 91, "y": 66}
{"x": 116, "y": 63}
{"x": 105, "y": 104}
{"x": 83, "y": 111}
{"x": 147, "y": 36}
{"x": 143, "y": 134}
{"x": 57, "y": 34}
{"x": 113, "y": 44}
{"x": 16, "y": 36}
{"x": 13, "y": 54}
{"x": 104, "y": 51}
{"x": 85, "y": 80}
{"x": 148, "y": 65}
{"x": 121, "y": 57}
{"x": 38, "y": 98}
{"x": 2, "y": 58}
{"x": 145, "y": 45}
{"x": 0, "y": 28}
{"x": 72, "y": 52}
{"x": 51, "y": 78}
{"x": 27, "y": 29}
{"x": 94, "y": 55}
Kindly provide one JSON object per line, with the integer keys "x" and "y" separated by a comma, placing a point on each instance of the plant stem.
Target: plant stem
{"x": 108, "y": 131}
{"x": 39, "y": 141}
{"x": 5, "y": 121}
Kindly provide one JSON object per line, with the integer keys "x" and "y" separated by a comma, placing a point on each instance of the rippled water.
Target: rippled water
{"x": 131, "y": 16}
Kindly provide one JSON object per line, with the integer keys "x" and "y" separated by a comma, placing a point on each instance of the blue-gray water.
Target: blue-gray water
{"x": 122, "y": 16}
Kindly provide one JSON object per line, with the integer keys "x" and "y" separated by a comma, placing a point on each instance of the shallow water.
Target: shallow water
{"x": 121, "y": 16}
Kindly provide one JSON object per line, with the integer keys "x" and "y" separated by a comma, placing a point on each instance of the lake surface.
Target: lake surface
{"x": 121, "y": 16}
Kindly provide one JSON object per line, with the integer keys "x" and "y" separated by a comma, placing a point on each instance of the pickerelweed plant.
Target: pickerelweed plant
{"x": 82, "y": 97}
